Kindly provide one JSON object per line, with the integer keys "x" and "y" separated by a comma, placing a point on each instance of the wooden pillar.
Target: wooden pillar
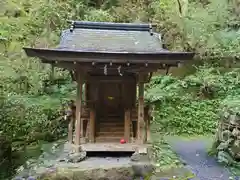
{"x": 141, "y": 123}
{"x": 70, "y": 130}
{"x": 92, "y": 125}
{"x": 86, "y": 93}
{"x": 78, "y": 111}
{"x": 148, "y": 134}
{"x": 82, "y": 138}
{"x": 127, "y": 125}
{"x": 147, "y": 125}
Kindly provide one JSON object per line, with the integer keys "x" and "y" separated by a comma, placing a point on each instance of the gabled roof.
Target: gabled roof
{"x": 107, "y": 42}
{"x": 111, "y": 37}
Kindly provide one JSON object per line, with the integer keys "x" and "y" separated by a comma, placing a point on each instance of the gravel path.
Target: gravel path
{"x": 194, "y": 155}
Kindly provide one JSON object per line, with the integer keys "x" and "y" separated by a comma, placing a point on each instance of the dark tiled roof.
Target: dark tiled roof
{"x": 89, "y": 42}
{"x": 111, "y": 37}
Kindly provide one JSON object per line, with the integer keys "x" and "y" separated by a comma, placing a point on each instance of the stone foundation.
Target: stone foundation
{"x": 138, "y": 166}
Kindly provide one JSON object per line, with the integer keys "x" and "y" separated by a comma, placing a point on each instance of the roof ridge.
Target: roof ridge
{"x": 111, "y": 26}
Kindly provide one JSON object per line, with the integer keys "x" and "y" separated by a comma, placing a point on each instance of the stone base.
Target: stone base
{"x": 132, "y": 140}
{"x": 76, "y": 149}
{"x": 83, "y": 140}
{"x": 123, "y": 173}
{"x": 141, "y": 164}
{"x": 142, "y": 150}
{"x": 76, "y": 157}
{"x": 143, "y": 169}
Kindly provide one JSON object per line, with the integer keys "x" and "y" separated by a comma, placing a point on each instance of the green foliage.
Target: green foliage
{"x": 209, "y": 29}
{"x": 231, "y": 103}
{"x": 191, "y": 105}
{"x": 28, "y": 119}
{"x": 187, "y": 117}
{"x": 163, "y": 155}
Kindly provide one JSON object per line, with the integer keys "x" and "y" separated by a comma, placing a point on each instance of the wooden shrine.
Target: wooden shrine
{"x": 112, "y": 61}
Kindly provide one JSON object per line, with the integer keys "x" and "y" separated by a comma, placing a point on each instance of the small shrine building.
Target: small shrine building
{"x": 113, "y": 61}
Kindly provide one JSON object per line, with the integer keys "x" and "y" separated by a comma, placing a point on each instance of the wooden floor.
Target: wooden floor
{"x": 113, "y": 147}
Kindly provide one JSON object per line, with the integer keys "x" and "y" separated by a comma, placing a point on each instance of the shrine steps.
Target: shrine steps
{"x": 103, "y": 139}
{"x": 110, "y": 130}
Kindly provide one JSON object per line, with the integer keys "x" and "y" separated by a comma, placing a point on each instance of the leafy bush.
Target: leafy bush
{"x": 28, "y": 119}
{"x": 190, "y": 105}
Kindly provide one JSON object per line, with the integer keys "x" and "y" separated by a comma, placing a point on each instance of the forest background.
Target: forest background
{"x": 186, "y": 104}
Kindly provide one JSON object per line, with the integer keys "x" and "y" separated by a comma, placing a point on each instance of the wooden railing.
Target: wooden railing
{"x": 134, "y": 113}
{"x": 85, "y": 112}
{"x": 147, "y": 118}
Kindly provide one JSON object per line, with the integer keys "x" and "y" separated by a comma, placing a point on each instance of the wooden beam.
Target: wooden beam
{"x": 110, "y": 78}
{"x": 92, "y": 126}
{"x": 127, "y": 123}
{"x": 99, "y": 67}
{"x": 116, "y": 59}
{"x": 141, "y": 123}
{"x": 78, "y": 111}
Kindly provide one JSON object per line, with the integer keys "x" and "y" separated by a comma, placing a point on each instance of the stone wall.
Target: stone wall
{"x": 227, "y": 141}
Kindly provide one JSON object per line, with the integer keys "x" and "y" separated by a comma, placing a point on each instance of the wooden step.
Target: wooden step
{"x": 111, "y": 129}
{"x": 111, "y": 117}
{"x": 109, "y": 133}
{"x": 111, "y": 120}
{"x": 108, "y": 139}
{"x": 110, "y": 125}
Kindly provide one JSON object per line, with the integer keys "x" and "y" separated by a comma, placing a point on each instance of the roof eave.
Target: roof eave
{"x": 117, "y": 57}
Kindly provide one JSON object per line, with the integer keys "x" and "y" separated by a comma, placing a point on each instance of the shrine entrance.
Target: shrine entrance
{"x": 110, "y": 113}
{"x": 113, "y": 98}
{"x": 110, "y": 95}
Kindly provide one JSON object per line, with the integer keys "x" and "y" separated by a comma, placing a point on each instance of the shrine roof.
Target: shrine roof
{"x": 104, "y": 42}
{"x": 111, "y": 37}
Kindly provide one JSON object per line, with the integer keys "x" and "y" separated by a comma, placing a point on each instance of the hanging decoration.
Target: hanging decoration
{"x": 119, "y": 71}
{"x": 105, "y": 70}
